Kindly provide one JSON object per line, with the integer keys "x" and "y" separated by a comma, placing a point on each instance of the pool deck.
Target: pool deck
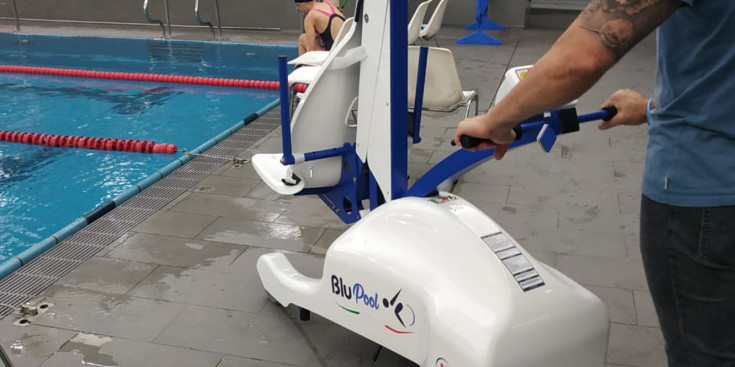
{"x": 178, "y": 287}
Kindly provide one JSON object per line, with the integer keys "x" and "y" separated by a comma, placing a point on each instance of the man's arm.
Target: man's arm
{"x": 592, "y": 44}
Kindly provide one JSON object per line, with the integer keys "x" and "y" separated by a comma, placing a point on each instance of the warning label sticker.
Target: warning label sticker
{"x": 514, "y": 260}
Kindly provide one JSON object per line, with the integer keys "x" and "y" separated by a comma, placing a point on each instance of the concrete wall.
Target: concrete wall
{"x": 237, "y": 13}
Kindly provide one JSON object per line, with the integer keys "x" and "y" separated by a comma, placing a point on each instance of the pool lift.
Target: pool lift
{"x": 422, "y": 273}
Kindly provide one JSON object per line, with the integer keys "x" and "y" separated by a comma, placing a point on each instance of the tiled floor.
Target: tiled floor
{"x": 181, "y": 289}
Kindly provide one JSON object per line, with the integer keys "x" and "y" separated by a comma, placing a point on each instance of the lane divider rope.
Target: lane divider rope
{"x": 143, "y": 77}
{"x": 125, "y": 145}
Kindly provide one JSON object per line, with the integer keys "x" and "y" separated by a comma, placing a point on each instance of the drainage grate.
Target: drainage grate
{"x": 196, "y": 166}
{"x": 31, "y": 279}
{"x": 11, "y": 302}
{"x": 107, "y": 226}
{"x": 54, "y": 267}
{"x": 20, "y": 283}
{"x": 176, "y": 182}
{"x": 234, "y": 144}
{"x": 130, "y": 214}
{"x": 92, "y": 238}
{"x": 212, "y": 158}
{"x": 161, "y": 192}
{"x": 71, "y": 250}
{"x": 195, "y": 176}
{"x": 224, "y": 152}
{"x": 253, "y": 133}
{"x": 144, "y": 202}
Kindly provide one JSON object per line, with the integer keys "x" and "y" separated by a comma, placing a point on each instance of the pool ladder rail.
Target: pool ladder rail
{"x": 15, "y": 15}
{"x": 167, "y": 25}
{"x": 209, "y": 24}
{"x": 160, "y": 23}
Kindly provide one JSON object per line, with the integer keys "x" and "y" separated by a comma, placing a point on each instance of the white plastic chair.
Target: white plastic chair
{"x": 442, "y": 89}
{"x": 414, "y": 26}
{"x": 429, "y": 30}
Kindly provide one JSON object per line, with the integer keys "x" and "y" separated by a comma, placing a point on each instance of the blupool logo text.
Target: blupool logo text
{"x": 357, "y": 292}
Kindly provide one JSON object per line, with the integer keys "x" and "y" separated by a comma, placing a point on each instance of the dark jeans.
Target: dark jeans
{"x": 689, "y": 258}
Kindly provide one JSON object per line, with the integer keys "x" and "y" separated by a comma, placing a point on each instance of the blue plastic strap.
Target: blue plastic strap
{"x": 326, "y": 153}
{"x": 398, "y": 98}
{"x": 285, "y": 111}
{"x": 419, "y": 99}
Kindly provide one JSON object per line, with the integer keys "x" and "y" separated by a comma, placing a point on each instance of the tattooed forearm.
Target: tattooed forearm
{"x": 621, "y": 24}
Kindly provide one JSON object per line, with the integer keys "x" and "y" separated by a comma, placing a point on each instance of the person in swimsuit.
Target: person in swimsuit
{"x": 321, "y": 24}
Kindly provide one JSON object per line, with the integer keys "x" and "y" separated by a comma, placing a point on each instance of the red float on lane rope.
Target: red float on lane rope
{"x": 127, "y": 145}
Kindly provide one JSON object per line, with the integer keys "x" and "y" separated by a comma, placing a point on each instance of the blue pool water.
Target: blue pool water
{"x": 42, "y": 189}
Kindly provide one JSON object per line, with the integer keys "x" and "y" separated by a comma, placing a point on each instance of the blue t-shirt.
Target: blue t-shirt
{"x": 690, "y": 160}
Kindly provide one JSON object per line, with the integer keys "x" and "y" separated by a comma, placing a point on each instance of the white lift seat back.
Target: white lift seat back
{"x": 319, "y": 122}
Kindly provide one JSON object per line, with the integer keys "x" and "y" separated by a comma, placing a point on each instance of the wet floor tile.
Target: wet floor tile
{"x": 326, "y": 240}
{"x": 261, "y": 234}
{"x": 176, "y": 251}
{"x": 223, "y": 185}
{"x": 272, "y": 339}
{"x": 231, "y": 361}
{"x": 29, "y": 346}
{"x": 244, "y": 171}
{"x": 99, "y": 350}
{"x": 335, "y": 346}
{"x": 263, "y": 192}
{"x": 205, "y": 288}
{"x": 310, "y": 212}
{"x": 105, "y": 313}
{"x": 245, "y": 265}
{"x": 230, "y": 207}
{"x": 107, "y": 275}
{"x": 175, "y": 224}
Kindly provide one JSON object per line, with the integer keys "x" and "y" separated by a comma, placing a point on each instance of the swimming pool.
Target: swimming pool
{"x": 42, "y": 189}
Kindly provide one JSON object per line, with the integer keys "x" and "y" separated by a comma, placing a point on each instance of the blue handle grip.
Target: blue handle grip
{"x": 604, "y": 114}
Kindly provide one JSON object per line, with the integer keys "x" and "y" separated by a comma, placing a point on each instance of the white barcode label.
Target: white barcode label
{"x": 498, "y": 242}
{"x": 517, "y": 264}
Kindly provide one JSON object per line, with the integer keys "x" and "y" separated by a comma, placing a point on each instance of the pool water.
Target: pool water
{"x": 43, "y": 189}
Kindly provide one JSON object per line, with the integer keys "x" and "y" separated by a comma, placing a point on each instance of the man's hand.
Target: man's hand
{"x": 631, "y": 107}
{"x": 483, "y": 127}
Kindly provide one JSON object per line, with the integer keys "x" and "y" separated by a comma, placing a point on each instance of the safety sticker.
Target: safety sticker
{"x": 514, "y": 260}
